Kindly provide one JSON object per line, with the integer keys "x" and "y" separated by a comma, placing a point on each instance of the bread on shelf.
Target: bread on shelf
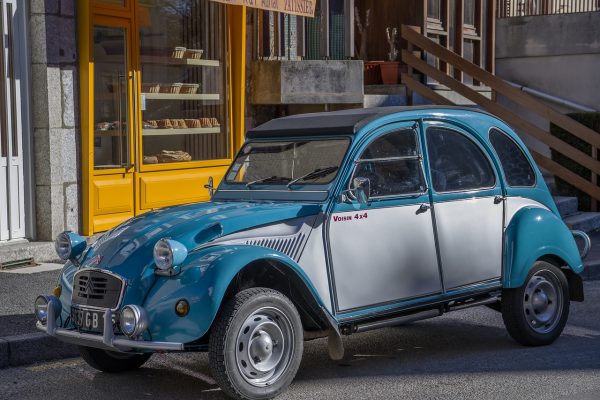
{"x": 178, "y": 52}
{"x": 173, "y": 88}
{"x": 151, "y": 87}
{"x": 193, "y": 123}
{"x": 194, "y": 54}
{"x": 189, "y": 88}
{"x": 164, "y": 123}
{"x": 166, "y": 156}
{"x": 150, "y": 160}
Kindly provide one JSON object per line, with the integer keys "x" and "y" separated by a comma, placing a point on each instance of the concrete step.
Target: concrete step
{"x": 583, "y": 221}
{"x": 566, "y": 205}
{"x": 39, "y": 251}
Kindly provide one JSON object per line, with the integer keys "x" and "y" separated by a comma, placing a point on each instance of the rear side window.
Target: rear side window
{"x": 517, "y": 169}
{"x": 456, "y": 162}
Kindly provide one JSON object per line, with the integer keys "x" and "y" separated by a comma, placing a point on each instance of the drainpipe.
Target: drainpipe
{"x": 553, "y": 99}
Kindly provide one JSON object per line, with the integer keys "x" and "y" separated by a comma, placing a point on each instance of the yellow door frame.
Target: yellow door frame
{"x": 91, "y": 12}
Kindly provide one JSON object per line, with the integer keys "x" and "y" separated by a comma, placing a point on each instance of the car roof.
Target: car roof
{"x": 344, "y": 122}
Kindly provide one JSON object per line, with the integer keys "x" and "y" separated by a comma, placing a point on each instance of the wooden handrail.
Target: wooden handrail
{"x": 502, "y": 87}
{"x": 415, "y": 39}
{"x": 424, "y": 91}
{"x": 504, "y": 113}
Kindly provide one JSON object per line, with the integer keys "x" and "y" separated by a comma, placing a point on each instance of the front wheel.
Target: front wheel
{"x": 112, "y": 361}
{"x": 256, "y": 344}
{"x": 536, "y": 313}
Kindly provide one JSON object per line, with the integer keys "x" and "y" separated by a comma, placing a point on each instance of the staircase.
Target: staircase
{"x": 582, "y": 221}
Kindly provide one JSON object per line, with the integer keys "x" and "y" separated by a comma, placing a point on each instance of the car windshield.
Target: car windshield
{"x": 288, "y": 162}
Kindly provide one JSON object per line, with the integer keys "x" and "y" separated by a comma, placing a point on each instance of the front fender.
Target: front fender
{"x": 532, "y": 234}
{"x": 203, "y": 281}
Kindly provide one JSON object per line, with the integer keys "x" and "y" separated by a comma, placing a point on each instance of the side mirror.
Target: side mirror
{"x": 210, "y": 187}
{"x": 361, "y": 188}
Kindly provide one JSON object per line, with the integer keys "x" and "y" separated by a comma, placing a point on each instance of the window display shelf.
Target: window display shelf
{"x": 180, "y": 61}
{"x": 186, "y": 131}
{"x": 179, "y": 96}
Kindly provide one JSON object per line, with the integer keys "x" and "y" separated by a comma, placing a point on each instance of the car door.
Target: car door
{"x": 384, "y": 251}
{"x": 468, "y": 206}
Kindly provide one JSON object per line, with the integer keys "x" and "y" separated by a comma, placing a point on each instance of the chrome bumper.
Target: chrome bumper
{"x": 107, "y": 341}
{"x": 587, "y": 243}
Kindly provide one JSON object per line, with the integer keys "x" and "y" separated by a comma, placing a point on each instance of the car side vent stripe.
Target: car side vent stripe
{"x": 290, "y": 246}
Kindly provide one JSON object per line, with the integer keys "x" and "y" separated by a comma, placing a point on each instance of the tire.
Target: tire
{"x": 536, "y": 313}
{"x": 256, "y": 344}
{"x": 111, "y": 361}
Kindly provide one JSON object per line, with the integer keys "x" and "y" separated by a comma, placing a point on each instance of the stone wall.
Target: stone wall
{"x": 55, "y": 116}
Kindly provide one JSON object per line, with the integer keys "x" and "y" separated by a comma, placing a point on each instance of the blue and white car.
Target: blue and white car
{"x": 327, "y": 225}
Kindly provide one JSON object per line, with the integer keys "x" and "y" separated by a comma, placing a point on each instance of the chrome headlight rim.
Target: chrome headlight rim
{"x": 63, "y": 246}
{"x": 69, "y": 245}
{"x": 134, "y": 327}
{"x": 41, "y": 306}
{"x": 168, "y": 253}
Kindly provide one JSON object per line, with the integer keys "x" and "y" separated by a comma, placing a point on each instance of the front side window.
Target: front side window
{"x": 517, "y": 169}
{"x": 288, "y": 162}
{"x": 393, "y": 165}
{"x": 456, "y": 162}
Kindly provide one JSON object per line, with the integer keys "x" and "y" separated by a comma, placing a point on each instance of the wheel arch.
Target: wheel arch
{"x": 533, "y": 234}
{"x": 278, "y": 275}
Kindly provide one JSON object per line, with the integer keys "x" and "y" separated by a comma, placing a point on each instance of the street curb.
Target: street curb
{"x": 31, "y": 348}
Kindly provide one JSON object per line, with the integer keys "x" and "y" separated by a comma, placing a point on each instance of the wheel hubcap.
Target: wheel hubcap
{"x": 264, "y": 346}
{"x": 543, "y": 301}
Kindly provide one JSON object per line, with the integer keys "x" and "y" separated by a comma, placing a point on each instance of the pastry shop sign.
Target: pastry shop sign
{"x": 305, "y": 8}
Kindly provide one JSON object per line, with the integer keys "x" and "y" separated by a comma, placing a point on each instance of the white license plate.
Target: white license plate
{"x": 88, "y": 320}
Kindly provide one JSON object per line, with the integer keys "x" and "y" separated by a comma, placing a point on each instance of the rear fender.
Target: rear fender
{"x": 533, "y": 234}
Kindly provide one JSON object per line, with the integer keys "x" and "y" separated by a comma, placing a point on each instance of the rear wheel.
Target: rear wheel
{"x": 112, "y": 361}
{"x": 256, "y": 344}
{"x": 536, "y": 313}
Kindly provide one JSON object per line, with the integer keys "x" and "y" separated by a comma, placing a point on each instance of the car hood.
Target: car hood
{"x": 127, "y": 250}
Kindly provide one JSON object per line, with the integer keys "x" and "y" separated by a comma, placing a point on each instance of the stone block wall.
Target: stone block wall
{"x": 55, "y": 116}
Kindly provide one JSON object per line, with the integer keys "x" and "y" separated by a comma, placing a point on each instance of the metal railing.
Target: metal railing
{"x": 521, "y": 8}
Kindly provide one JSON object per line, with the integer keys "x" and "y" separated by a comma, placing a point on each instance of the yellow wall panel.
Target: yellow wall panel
{"x": 161, "y": 189}
{"x": 113, "y": 194}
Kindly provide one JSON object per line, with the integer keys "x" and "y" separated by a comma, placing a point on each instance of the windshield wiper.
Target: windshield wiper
{"x": 317, "y": 173}
{"x": 267, "y": 179}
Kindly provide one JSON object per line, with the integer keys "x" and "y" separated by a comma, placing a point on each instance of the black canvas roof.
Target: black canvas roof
{"x": 345, "y": 122}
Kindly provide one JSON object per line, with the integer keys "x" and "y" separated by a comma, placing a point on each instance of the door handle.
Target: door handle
{"x": 423, "y": 208}
{"x": 499, "y": 199}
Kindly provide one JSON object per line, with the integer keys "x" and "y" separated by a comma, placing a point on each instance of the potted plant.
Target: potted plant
{"x": 390, "y": 70}
{"x": 372, "y": 73}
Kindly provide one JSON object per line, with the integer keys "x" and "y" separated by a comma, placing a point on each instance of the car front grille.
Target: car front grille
{"x": 97, "y": 289}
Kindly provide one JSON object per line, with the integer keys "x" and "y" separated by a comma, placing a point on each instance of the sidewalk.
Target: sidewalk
{"x": 20, "y": 342}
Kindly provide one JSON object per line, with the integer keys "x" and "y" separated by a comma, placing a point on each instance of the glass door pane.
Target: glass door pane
{"x": 183, "y": 99}
{"x": 111, "y": 97}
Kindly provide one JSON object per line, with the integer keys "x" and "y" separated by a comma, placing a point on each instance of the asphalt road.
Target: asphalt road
{"x": 462, "y": 355}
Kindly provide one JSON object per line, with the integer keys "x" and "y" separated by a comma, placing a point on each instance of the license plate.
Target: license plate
{"x": 88, "y": 320}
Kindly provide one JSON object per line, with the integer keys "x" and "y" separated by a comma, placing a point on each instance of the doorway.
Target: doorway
{"x": 12, "y": 201}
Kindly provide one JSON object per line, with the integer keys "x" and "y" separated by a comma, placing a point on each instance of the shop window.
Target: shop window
{"x": 183, "y": 99}
{"x": 288, "y": 37}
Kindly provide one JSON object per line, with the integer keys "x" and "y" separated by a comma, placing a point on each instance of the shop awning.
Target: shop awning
{"x": 304, "y": 8}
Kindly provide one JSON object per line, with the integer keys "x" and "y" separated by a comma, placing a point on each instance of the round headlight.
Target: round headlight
{"x": 41, "y": 309}
{"x": 133, "y": 320}
{"x": 168, "y": 253}
{"x": 62, "y": 244}
{"x": 42, "y": 305}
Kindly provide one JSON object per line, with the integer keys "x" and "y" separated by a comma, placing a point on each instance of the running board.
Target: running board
{"x": 404, "y": 319}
